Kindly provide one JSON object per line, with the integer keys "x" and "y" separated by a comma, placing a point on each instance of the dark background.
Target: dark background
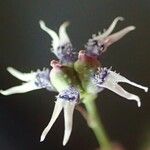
{"x": 25, "y": 46}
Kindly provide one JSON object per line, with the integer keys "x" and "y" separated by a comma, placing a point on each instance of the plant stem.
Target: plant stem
{"x": 95, "y": 123}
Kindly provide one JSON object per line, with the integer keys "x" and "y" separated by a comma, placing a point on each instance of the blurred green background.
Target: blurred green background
{"x": 26, "y": 47}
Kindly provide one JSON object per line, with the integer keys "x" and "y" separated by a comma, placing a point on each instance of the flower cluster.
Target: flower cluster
{"x": 75, "y": 74}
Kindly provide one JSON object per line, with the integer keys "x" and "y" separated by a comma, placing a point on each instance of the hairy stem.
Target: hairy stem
{"x": 95, "y": 123}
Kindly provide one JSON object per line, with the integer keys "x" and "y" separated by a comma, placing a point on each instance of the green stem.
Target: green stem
{"x": 95, "y": 123}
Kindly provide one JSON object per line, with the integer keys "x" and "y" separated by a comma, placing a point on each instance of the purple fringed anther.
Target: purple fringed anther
{"x": 71, "y": 95}
{"x": 100, "y": 75}
{"x": 43, "y": 79}
{"x": 65, "y": 53}
{"x": 61, "y": 44}
{"x": 94, "y": 47}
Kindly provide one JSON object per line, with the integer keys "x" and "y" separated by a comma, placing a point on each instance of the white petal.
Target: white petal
{"x": 111, "y": 27}
{"x": 68, "y": 116}
{"x": 120, "y": 91}
{"x": 118, "y": 35}
{"x": 57, "y": 109}
{"x": 63, "y": 34}
{"x": 20, "y": 75}
{"x": 52, "y": 33}
{"x": 120, "y": 78}
{"x": 25, "y": 87}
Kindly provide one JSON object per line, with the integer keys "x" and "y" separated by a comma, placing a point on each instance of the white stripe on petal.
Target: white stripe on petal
{"x": 57, "y": 109}
{"x": 20, "y": 75}
{"x": 25, "y": 87}
{"x": 68, "y": 116}
{"x": 120, "y": 91}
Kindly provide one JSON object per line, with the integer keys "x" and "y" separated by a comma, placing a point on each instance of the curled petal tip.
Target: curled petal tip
{"x": 44, "y": 133}
{"x": 42, "y": 138}
{"x": 9, "y": 68}
{"x": 132, "y": 28}
{"x": 64, "y": 142}
{"x": 139, "y": 104}
{"x": 42, "y": 23}
{"x": 146, "y": 89}
{"x": 137, "y": 99}
{"x": 3, "y": 92}
{"x": 120, "y": 18}
{"x": 66, "y": 23}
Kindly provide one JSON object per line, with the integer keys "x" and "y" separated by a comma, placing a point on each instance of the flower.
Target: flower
{"x": 61, "y": 44}
{"x": 75, "y": 75}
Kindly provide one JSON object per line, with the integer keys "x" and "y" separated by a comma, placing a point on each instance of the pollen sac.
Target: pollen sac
{"x": 70, "y": 95}
{"x": 43, "y": 79}
{"x": 65, "y": 53}
{"x": 98, "y": 78}
{"x": 100, "y": 75}
{"x": 94, "y": 47}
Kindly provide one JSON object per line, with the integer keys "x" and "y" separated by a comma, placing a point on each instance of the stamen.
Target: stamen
{"x": 100, "y": 75}
{"x": 70, "y": 95}
{"x": 65, "y": 53}
{"x": 43, "y": 79}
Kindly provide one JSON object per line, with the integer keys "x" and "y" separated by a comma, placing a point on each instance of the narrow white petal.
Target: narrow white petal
{"x": 25, "y": 87}
{"x": 68, "y": 116}
{"x": 20, "y": 75}
{"x": 63, "y": 34}
{"x": 120, "y": 91}
{"x": 57, "y": 109}
{"x": 118, "y": 35}
{"x": 111, "y": 27}
{"x": 120, "y": 78}
{"x": 52, "y": 33}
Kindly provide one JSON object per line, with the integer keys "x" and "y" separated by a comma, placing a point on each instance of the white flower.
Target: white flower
{"x": 74, "y": 77}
